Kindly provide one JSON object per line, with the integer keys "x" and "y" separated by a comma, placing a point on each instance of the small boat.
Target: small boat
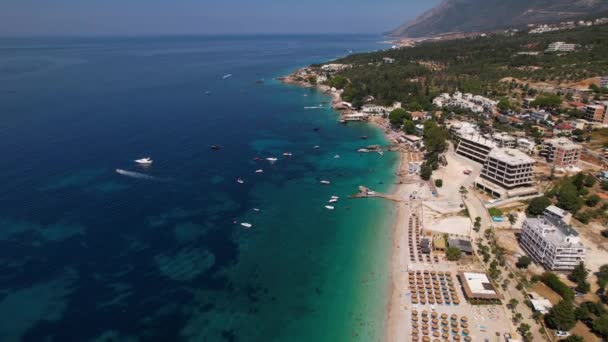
{"x": 240, "y": 181}
{"x": 317, "y": 147}
{"x": 381, "y": 153}
{"x": 226, "y": 76}
{"x": 336, "y": 156}
{"x": 344, "y": 122}
{"x": 329, "y": 207}
{"x": 144, "y": 161}
{"x": 363, "y": 150}
{"x": 256, "y": 209}
{"x": 334, "y": 197}
{"x": 216, "y": 147}
{"x": 259, "y": 171}
{"x": 207, "y": 92}
{"x": 333, "y": 200}
{"x": 272, "y": 160}
{"x": 287, "y": 154}
{"x": 246, "y": 225}
{"x": 363, "y": 137}
{"x": 325, "y": 182}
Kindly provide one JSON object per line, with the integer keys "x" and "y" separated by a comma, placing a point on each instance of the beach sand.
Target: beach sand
{"x": 397, "y": 306}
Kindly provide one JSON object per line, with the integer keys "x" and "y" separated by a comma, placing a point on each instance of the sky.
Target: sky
{"x": 148, "y": 17}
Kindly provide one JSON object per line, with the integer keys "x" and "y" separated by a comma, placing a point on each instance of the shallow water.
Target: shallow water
{"x": 89, "y": 254}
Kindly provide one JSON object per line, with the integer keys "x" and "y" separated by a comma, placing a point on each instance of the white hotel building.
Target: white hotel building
{"x": 552, "y": 243}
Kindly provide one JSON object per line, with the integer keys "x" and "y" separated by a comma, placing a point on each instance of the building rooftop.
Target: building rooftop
{"x": 463, "y": 245}
{"x": 477, "y": 285}
{"x": 510, "y": 156}
{"x": 556, "y": 231}
{"x": 556, "y": 210}
{"x": 479, "y": 139}
{"x": 565, "y": 143}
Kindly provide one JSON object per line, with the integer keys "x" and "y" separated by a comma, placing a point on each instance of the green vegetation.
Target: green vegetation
{"x": 579, "y": 276}
{"x": 397, "y": 116}
{"x": 573, "y": 338}
{"x": 338, "y": 82}
{"x": 453, "y": 253}
{"x": 551, "y": 280}
{"x": 523, "y": 261}
{"x": 438, "y": 183}
{"x": 475, "y": 65}
{"x": 547, "y": 101}
{"x": 602, "y": 276}
{"x": 495, "y": 212}
{"x": 561, "y": 316}
{"x": 538, "y": 205}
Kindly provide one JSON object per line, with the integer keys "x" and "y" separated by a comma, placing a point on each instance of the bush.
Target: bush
{"x": 523, "y": 261}
{"x": 592, "y": 200}
{"x": 605, "y": 185}
{"x": 589, "y": 181}
{"x": 453, "y": 254}
{"x": 551, "y": 280}
{"x": 600, "y": 326}
{"x": 583, "y": 216}
{"x": 438, "y": 183}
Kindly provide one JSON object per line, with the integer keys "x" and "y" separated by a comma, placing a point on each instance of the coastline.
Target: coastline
{"x": 392, "y": 329}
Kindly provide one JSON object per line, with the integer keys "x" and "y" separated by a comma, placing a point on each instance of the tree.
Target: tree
{"x": 513, "y": 303}
{"x": 579, "y": 273}
{"x": 600, "y": 326}
{"x": 604, "y": 185}
{"x": 524, "y": 329}
{"x": 523, "y": 262}
{"x": 551, "y": 280}
{"x": 538, "y": 205}
{"x": 504, "y": 104}
{"x": 438, "y": 183}
{"x": 602, "y": 276}
{"x": 573, "y": 338}
{"x": 426, "y": 172}
{"x": 561, "y": 316}
{"x": 338, "y": 82}
{"x": 512, "y": 219}
{"x": 589, "y": 181}
{"x": 453, "y": 253}
{"x": 568, "y": 198}
{"x": 592, "y": 200}
{"x": 409, "y": 127}
{"x": 397, "y": 116}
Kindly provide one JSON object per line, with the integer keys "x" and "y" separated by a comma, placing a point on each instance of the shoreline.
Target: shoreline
{"x": 393, "y": 329}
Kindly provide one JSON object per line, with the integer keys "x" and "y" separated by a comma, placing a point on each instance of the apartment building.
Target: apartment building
{"x": 552, "y": 243}
{"x": 475, "y": 147}
{"x": 506, "y": 173}
{"x": 561, "y": 151}
{"x": 525, "y": 145}
{"x": 597, "y": 112}
{"x": 558, "y": 213}
{"x": 503, "y": 140}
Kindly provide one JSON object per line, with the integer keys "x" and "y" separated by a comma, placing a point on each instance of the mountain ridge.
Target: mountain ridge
{"x": 466, "y": 16}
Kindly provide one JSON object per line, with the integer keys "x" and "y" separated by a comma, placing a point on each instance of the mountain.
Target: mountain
{"x": 453, "y": 16}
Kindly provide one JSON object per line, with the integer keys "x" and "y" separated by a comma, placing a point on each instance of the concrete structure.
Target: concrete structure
{"x": 527, "y": 103}
{"x": 558, "y": 213}
{"x": 539, "y": 303}
{"x": 561, "y": 47}
{"x": 388, "y": 60}
{"x": 525, "y": 145}
{"x": 477, "y": 286}
{"x": 439, "y": 243}
{"x": 503, "y": 140}
{"x": 507, "y": 173}
{"x": 552, "y": 243}
{"x": 562, "y": 152}
{"x": 597, "y": 113}
{"x": 474, "y": 103}
{"x": 475, "y": 147}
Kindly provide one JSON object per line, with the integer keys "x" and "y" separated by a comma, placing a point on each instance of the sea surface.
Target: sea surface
{"x": 158, "y": 253}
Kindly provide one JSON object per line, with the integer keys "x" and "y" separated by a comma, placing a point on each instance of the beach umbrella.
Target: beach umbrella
{"x": 425, "y": 332}
{"x": 444, "y": 322}
{"x": 415, "y": 318}
{"x": 468, "y": 339}
{"x": 434, "y": 314}
{"x": 425, "y": 313}
{"x": 456, "y": 338}
{"x": 464, "y": 319}
{"x": 415, "y": 338}
{"x": 454, "y": 317}
{"x": 414, "y": 312}
{"x": 445, "y": 336}
{"x": 454, "y": 330}
{"x": 435, "y": 321}
{"x": 426, "y": 339}
{"x": 465, "y": 331}
{"x": 415, "y": 301}
{"x": 436, "y": 334}
{"x": 454, "y": 324}
{"x": 464, "y": 325}
{"x": 425, "y": 326}
{"x": 425, "y": 319}
{"x": 414, "y": 331}
{"x": 445, "y": 329}
{"x": 415, "y": 325}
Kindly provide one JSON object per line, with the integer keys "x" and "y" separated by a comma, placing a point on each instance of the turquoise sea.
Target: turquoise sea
{"x": 158, "y": 254}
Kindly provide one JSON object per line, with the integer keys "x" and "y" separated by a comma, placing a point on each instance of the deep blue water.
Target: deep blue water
{"x": 89, "y": 254}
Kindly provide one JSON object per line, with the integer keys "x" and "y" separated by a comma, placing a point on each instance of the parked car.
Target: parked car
{"x": 560, "y": 333}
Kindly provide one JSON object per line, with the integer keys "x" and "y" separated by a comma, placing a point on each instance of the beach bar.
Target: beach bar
{"x": 477, "y": 288}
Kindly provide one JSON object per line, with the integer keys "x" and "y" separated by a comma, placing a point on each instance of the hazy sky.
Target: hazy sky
{"x": 99, "y": 17}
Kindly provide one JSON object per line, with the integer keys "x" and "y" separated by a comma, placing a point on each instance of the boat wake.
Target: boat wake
{"x": 137, "y": 175}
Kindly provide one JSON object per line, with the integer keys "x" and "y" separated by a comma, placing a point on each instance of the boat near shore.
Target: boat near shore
{"x": 144, "y": 161}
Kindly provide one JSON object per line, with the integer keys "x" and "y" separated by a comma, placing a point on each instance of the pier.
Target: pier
{"x": 365, "y": 192}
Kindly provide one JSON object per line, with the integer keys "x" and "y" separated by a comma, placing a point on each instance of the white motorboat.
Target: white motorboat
{"x": 325, "y": 182}
{"x": 381, "y": 153}
{"x": 329, "y": 207}
{"x": 240, "y": 181}
{"x": 226, "y": 76}
{"x": 259, "y": 171}
{"x": 144, "y": 161}
{"x": 333, "y": 200}
{"x": 287, "y": 154}
{"x": 272, "y": 160}
{"x": 335, "y": 197}
{"x": 256, "y": 209}
{"x": 317, "y": 147}
{"x": 337, "y": 156}
{"x": 246, "y": 225}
